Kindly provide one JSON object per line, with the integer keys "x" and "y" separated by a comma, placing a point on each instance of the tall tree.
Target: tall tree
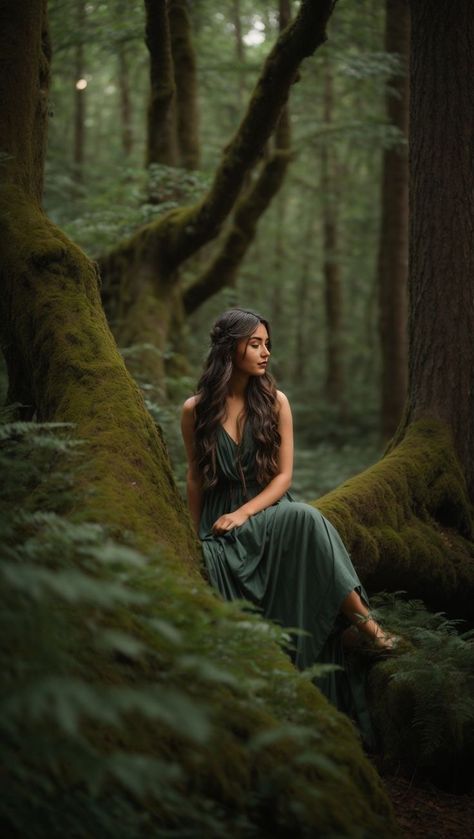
{"x": 161, "y": 145}
{"x": 185, "y": 77}
{"x": 393, "y": 244}
{"x": 441, "y": 259}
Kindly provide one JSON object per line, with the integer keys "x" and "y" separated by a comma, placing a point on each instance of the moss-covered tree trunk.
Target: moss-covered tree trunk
{"x": 392, "y": 266}
{"x": 441, "y": 257}
{"x": 59, "y": 347}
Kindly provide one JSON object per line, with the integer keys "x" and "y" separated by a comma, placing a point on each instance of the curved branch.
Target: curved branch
{"x": 182, "y": 232}
{"x": 222, "y": 269}
{"x": 166, "y": 243}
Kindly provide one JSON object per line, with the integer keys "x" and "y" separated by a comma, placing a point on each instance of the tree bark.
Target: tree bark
{"x": 393, "y": 246}
{"x": 161, "y": 146}
{"x": 184, "y": 68}
{"x": 441, "y": 257}
{"x": 23, "y": 158}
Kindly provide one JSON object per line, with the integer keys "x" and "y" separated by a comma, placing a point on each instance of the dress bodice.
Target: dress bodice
{"x": 237, "y": 481}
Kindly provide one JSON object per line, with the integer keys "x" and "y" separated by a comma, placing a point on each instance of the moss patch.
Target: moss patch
{"x": 407, "y": 521}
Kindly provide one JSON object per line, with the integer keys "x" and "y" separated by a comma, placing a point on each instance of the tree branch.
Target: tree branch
{"x": 222, "y": 269}
{"x": 183, "y": 231}
{"x": 170, "y": 241}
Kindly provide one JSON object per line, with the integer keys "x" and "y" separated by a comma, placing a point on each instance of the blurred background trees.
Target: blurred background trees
{"x": 313, "y": 266}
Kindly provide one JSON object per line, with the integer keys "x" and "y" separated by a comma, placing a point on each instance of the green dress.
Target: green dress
{"x": 290, "y": 561}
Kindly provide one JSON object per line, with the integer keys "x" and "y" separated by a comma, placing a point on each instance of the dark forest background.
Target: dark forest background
{"x": 160, "y": 161}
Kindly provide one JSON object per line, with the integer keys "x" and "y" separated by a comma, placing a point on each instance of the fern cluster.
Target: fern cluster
{"x": 423, "y": 699}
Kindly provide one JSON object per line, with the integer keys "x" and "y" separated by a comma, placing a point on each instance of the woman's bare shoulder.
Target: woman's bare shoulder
{"x": 282, "y": 399}
{"x": 190, "y": 404}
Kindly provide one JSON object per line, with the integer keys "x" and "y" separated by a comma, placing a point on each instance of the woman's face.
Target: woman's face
{"x": 251, "y": 354}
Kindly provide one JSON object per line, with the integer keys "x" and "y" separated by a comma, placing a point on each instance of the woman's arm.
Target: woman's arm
{"x": 278, "y": 485}
{"x": 193, "y": 480}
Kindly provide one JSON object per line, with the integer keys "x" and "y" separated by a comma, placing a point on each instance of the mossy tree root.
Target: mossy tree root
{"x": 63, "y": 364}
{"x": 407, "y": 521}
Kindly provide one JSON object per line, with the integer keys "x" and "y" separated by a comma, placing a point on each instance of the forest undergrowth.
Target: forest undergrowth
{"x": 59, "y": 582}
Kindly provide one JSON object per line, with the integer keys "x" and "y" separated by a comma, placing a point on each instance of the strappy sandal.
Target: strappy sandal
{"x": 373, "y": 652}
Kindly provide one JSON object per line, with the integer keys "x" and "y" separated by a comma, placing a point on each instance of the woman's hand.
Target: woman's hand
{"x": 228, "y": 521}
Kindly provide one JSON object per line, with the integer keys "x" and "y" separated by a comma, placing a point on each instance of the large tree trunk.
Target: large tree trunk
{"x": 54, "y": 330}
{"x": 441, "y": 257}
{"x": 393, "y": 246}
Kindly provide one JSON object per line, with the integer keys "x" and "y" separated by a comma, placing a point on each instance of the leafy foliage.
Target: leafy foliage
{"x": 98, "y": 637}
{"x": 423, "y": 699}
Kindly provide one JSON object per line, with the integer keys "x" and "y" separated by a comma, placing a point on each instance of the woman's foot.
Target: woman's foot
{"x": 371, "y": 641}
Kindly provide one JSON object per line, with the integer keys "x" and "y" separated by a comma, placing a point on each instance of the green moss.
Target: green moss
{"x": 407, "y": 520}
{"x": 59, "y": 331}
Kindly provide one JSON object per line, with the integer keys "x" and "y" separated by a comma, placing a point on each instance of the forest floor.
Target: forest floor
{"x": 425, "y": 812}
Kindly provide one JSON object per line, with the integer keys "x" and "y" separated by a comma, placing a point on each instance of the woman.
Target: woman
{"x": 258, "y": 542}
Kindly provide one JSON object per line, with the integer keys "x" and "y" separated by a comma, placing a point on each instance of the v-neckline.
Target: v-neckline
{"x": 231, "y": 438}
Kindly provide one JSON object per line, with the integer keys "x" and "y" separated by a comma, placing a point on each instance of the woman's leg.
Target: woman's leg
{"x": 357, "y": 612}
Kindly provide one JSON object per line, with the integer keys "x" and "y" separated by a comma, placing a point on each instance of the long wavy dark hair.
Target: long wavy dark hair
{"x": 261, "y": 400}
